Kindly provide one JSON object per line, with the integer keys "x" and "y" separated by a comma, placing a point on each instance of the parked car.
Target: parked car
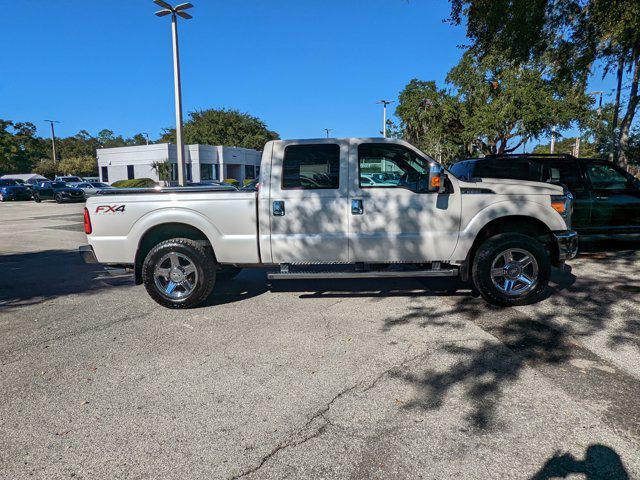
{"x": 58, "y": 191}
{"x": 312, "y": 211}
{"x": 13, "y": 190}
{"x": 68, "y": 179}
{"x": 90, "y": 188}
{"x": 91, "y": 179}
{"x": 606, "y": 198}
{"x": 26, "y": 185}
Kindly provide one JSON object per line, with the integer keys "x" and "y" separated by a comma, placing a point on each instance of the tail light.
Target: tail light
{"x": 87, "y": 222}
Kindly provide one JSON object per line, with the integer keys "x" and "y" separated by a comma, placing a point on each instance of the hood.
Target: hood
{"x": 504, "y": 186}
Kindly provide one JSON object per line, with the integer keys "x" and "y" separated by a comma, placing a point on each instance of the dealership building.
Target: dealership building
{"x": 202, "y": 162}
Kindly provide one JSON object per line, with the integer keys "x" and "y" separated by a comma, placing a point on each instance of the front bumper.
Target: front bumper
{"x": 567, "y": 242}
{"x": 87, "y": 254}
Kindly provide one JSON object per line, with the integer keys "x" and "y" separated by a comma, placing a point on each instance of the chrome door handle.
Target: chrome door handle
{"x": 278, "y": 208}
{"x": 602, "y": 198}
{"x": 356, "y": 207}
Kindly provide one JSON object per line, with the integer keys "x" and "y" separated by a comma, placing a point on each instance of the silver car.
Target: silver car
{"x": 90, "y": 188}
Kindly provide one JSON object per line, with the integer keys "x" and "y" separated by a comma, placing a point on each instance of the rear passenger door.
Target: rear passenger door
{"x": 309, "y": 202}
{"x": 616, "y": 205}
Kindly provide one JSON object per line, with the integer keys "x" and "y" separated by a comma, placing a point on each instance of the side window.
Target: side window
{"x": 462, "y": 170}
{"x": 567, "y": 172}
{"x": 386, "y": 165}
{"x": 606, "y": 177}
{"x": 311, "y": 167}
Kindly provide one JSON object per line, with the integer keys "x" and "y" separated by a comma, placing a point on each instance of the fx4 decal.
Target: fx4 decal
{"x": 110, "y": 209}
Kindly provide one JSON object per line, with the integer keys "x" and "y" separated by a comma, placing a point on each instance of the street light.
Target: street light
{"x": 53, "y": 145}
{"x": 178, "y": 11}
{"x": 327, "y": 130}
{"x": 384, "y": 115}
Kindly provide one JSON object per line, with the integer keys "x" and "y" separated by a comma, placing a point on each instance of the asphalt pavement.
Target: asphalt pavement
{"x": 353, "y": 379}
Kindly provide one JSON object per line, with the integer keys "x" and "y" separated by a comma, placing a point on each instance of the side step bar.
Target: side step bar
{"x": 451, "y": 272}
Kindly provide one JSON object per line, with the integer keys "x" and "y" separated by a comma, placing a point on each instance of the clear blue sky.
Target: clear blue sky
{"x": 299, "y": 65}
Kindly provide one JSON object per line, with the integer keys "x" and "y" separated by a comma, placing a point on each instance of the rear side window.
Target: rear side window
{"x": 566, "y": 172}
{"x": 311, "y": 167}
{"x": 462, "y": 170}
{"x": 515, "y": 169}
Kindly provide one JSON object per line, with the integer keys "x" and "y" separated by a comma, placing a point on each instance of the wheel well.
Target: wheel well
{"x": 524, "y": 225}
{"x": 160, "y": 233}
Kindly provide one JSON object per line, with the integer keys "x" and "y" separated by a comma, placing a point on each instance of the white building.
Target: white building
{"x": 202, "y": 162}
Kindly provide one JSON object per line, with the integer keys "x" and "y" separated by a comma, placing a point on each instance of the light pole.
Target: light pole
{"x": 53, "y": 145}
{"x": 146, "y": 135}
{"x": 384, "y": 115}
{"x": 178, "y": 11}
{"x": 553, "y": 141}
{"x": 327, "y": 130}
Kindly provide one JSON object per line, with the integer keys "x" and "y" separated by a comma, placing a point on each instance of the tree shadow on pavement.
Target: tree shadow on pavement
{"x": 539, "y": 336}
{"x": 600, "y": 463}
{"x": 31, "y": 278}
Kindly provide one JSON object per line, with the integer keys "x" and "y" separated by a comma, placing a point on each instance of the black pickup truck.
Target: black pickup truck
{"x": 606, "y": 197}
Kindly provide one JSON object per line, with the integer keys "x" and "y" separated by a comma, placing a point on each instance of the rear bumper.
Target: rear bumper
{"x": 567, "y": 242}
{"x": 87, "y": 254}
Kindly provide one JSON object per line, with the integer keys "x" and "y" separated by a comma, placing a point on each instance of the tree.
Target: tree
{"x": 488, "y": 106}
{"x": 46, "y": 168}
{"x": 18, "y": 146}
{"x": 571, "y": 35}
{"x": 83, "y": 166}
{"x": 223, "y": 127}
{"x": 162, "y": 169}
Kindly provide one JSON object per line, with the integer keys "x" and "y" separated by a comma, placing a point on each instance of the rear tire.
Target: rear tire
{"x": 58, "y": 198}
{"x": 179, "y": 273}
{"x": 1, "y": 198}
{"x": 36, "y": 198}
{"x": 511, "y": 269}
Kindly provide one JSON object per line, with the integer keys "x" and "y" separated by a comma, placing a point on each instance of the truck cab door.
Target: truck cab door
{"x": 616, "y": 204}
{"x": 392, "y": 216}
{"x": 308, "y": 202}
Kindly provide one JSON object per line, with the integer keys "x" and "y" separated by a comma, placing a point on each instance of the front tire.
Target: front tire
{"x": 511, "y": 269}
{"x": 36, "y": 198}
{"x": 58, "y": 198}
{"x": 179, "y": 273}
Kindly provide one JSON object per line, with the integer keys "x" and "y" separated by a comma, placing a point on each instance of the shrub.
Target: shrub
{"x": 135, "y": 183}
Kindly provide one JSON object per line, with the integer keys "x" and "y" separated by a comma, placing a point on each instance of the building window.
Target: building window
{"x": 188, "y": 168}
{"x": 206, "y": 171}
{"x": 105, "y": 174}
{"x": 249, "y": 172}
{"x": 130, "y": 173}
{"x": 174, "y": 172}
{"x": 311, "y": 166}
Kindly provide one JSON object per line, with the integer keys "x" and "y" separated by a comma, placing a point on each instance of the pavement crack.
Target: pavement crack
{"x": 298, "y": 437}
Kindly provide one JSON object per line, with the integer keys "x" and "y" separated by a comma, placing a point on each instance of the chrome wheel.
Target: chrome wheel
{"x": 175, "y": 276}
{"x": 514, "y": 272}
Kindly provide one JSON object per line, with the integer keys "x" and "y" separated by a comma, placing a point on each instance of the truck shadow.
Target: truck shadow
{"x": 32, "y": 278}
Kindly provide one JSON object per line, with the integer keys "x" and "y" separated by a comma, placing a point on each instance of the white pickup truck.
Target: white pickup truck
{"x": 337, "y": 208}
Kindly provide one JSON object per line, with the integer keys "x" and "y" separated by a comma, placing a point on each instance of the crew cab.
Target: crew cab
{"x": 606, "y": 197}
{"x": 315, "y": 215}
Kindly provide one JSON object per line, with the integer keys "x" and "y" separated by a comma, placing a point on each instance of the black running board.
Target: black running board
{"x": 450, "y": 272}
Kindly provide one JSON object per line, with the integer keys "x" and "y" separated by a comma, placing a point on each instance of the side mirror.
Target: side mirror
{"x": 437, "y": 179}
